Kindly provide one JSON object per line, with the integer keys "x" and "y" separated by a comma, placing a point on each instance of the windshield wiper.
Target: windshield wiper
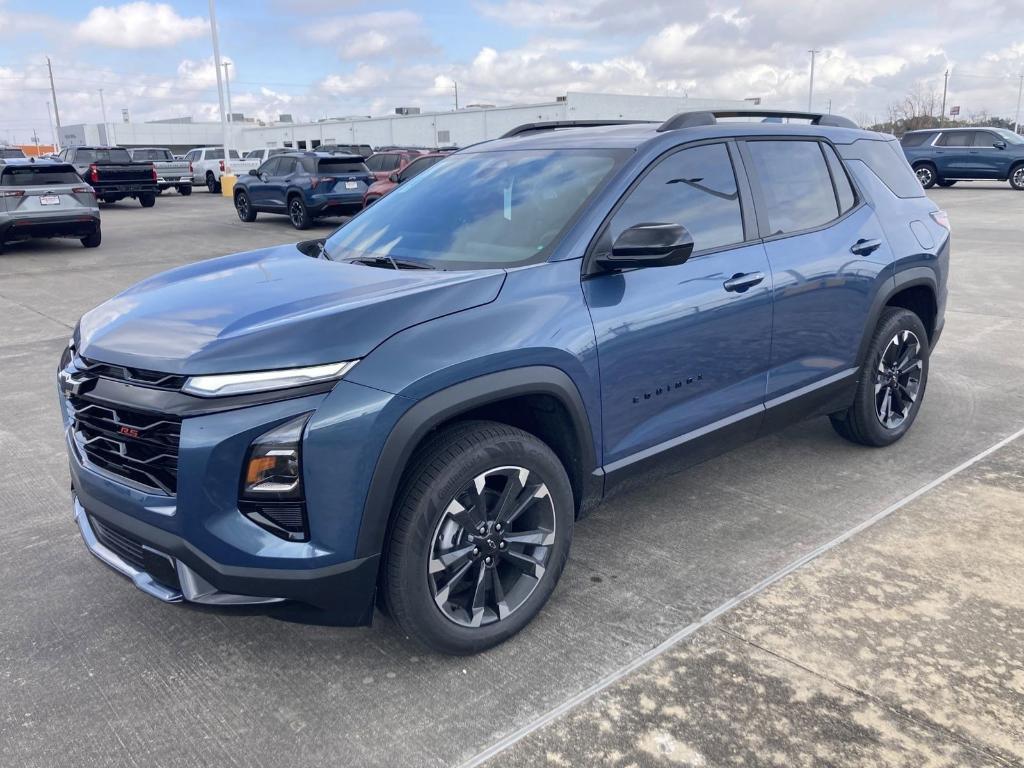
{"x": 390, "y": 261}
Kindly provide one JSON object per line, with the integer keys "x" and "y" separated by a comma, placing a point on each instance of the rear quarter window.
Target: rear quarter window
{"x": 916, "y": 139}
{"x": 887, "y": 161}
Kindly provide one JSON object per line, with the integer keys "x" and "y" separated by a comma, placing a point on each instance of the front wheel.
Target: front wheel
{"x": 212, "y": 185}
{"x": 1017, "y": 177}
{"x": 482, "y": 530}
{"x": 299, "y": 214}
{"x": 185, "y": 190}
{"x": 892, "y": 382}
{"x": 243, "y": 206}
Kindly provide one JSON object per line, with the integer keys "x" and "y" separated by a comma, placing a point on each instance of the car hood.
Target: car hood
{"x": 272, "y": 308}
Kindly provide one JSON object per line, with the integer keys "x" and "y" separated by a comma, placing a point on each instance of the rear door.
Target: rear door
{"x": 277, "y": 185}
{"x": 828, "y": 257}
{"x": 683, "y": 350}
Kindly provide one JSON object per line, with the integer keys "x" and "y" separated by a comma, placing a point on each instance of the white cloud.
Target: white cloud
{"x": 138, "y": 25}
{"x": 392, "y": 34}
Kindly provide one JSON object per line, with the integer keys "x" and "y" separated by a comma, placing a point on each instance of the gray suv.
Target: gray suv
{"x": 46, "y": 198}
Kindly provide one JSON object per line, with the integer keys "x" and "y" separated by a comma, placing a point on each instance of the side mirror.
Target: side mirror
{"x": 393, "y": 177}
{"x": 253, "y": 172}
{"x": 649, "y": 245}
{"x": 999, "y": 144}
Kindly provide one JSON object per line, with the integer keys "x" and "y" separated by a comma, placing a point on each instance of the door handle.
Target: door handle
{"x": 740, "y": 282}
{"x": 863, "y": 247}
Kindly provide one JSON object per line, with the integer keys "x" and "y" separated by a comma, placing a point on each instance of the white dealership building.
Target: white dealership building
{"x": 428, "y": 129}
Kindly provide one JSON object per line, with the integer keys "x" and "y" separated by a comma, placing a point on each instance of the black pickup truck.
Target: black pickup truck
{"x": 113, "y": 174}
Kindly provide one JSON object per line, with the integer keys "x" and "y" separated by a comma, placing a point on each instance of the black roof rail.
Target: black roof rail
{"x": 710, "y": 117}
{"x": 551, "y": 125}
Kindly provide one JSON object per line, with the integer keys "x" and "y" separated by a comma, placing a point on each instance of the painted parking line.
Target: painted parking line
{"x": 677, "y": 637}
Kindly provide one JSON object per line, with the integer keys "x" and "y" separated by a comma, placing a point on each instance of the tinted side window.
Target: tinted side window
{"x": 887, "y": 161}
{"x": 390, "y": 162}
{"x": 286, "y": 167}
{"x": 796, "y": 184}
{"x": 416, "y": 167}
{"x": 956, "y": 139}
{"x": 270, "y": 167}
{"x": 695, "y": 188}
{"x": 985, "y": 139}
{"x": 844, "y": 190}
{"x": 373, "y": 163}
{"x": 916, "y": 139}
{"x": 214, "y": 154}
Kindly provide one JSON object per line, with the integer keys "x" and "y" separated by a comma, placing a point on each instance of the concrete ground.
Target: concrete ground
{"x": 93, "y": 672}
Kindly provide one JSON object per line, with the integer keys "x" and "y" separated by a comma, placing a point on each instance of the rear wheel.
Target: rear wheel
{"x": 947, "y": 182}
{"x": 1017, "y": 177}
{"x": 185, "y": 190}
{"x": 147, "y": 199}
{"x": 482, "y": 530}
{"x": 93, "y": 240}
{"x": 212, "y": 185}
{"x": 244, "y": 207}
{"x": 892, "y": 382}
{"x": 926, "y": 174}
{"x": 298, "y": 213}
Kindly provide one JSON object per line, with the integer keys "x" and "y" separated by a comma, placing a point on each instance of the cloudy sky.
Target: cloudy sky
{"x": 316, "y": 58}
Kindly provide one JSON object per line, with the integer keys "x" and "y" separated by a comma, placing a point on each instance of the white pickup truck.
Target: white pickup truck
{"x": 169, "y": 172}
{"x": 208, "y": 165}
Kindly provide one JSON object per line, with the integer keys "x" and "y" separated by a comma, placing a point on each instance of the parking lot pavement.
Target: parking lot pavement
{"x": 903, "y": 646}
{"x": 93, "y": 672}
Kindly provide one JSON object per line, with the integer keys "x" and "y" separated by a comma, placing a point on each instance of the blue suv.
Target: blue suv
{"x": 415, "y": 411}
{"x": 947, "y": 156}
{"x": 304, "y": 186}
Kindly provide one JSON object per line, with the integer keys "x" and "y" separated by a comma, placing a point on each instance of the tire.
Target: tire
{"x": 926, "y": 174}
{"x": 444, "y": 478}
{"x": 370, "y": 201}
{"x": 946, "y": 182}
{"x": 212, "y": 185}
{"x": 93, "y": 240}
{"x": 1017, "y": 177}
{"x": 185, "y": 190}
{"x": 243, "y": 207}
{"x": 865, "y": 422}
{"x": 147, "y": 199}
{"x": 298, "y": 213}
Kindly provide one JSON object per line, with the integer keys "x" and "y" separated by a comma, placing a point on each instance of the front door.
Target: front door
{"x": 257, "y": 185}
{"x": 683, "y": 350}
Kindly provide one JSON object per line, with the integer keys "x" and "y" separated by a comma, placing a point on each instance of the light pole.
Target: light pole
{"x": 810, "y": 89}
{"x": 220, "y": 85}
{"x": 53, "y": 133}
{"x": 227, "y": 87}
{"x": 103, "y": 108}
{"x": 1020, "y": 92}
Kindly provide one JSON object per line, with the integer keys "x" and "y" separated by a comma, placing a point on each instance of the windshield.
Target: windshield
{"x": 480, "y": 210}
{"x": 1008, "y": 136}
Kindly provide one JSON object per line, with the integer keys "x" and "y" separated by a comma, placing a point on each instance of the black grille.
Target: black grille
{"x": 119, "y": 543}
{"x": 287, "y": 515}
{"x": 139, "y": 446}
{"x": 154, "y": 379}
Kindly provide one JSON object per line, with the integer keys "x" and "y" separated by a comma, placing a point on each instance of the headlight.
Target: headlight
{"x": 272, "y": 495}
{"x": 219, "y": 385}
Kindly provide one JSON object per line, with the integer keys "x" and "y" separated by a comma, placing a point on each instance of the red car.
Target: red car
{"x": 419, "y": 164}
{"x": 386, "y": 162}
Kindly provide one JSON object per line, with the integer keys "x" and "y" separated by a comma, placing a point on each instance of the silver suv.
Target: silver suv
{"x": 46, "y": 198}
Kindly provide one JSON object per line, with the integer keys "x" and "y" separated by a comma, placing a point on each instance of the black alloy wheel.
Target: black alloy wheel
{"x": 491, "y": 546}
{"x": 243, "y": 206}
{"x": 298, "y": 214}
{"x": 898, "y": 379}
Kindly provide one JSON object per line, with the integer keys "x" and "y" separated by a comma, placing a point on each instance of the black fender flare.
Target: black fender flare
{"x": 902, "y": 280}
{"x": 449, "y": 403}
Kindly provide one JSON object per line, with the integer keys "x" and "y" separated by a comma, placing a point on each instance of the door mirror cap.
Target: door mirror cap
{"x": 393, "y": 177}
{"x": 253, "y": 172}
{"x": 649, "y": 245}
{"x": 999, "y": 144}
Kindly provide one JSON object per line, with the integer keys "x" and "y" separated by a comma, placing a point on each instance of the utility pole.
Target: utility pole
{"x": 810, "y": 90}
{"x": 456, "y": 85}
{"x": 103, "y": 108}
{"x": 53, "y": 133}
{"x": 53, "y": 93}
{"x": 1020, "y": 92}
{"x": 220, "y": 85}
{"x": 227, "y": 87}
{"x": 945, "y": 89}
